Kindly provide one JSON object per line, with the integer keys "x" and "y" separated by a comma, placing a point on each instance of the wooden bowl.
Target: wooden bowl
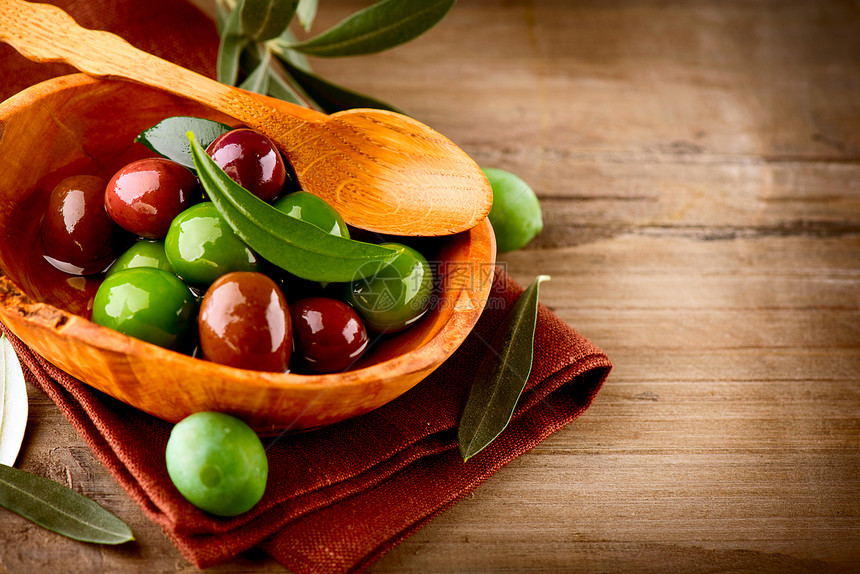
{"x": 78, "y": 125}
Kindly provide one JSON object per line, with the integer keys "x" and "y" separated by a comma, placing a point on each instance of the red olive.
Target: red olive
{"x": 328, "y": 335}
{"x": 244, "y": 322}
{"x": 145, "y": 196}
{"x": 77, "y": 234}
{"x": 252, "y": 160}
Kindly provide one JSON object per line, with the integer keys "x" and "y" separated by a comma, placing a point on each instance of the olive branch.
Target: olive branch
{"x": 260, "y": 52}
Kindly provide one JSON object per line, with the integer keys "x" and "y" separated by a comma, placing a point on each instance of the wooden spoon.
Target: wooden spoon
{"x": 382, "y": 171}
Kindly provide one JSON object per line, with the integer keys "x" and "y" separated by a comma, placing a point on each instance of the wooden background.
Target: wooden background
{"x": 699, "y": 170}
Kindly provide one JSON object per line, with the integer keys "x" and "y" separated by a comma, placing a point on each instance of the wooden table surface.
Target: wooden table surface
{"x": 699, "y": 170}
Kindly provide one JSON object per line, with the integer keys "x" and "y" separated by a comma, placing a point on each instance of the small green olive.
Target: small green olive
{"x": 516, "y": 215}
{"x": 217, "y": 463}
{"x": 395, "y": 296}
{"x": 201, "y": 246}
{"x": 149, "y": 304}
{"x": 314, "y": 210}
{"x": 144, "y": 253}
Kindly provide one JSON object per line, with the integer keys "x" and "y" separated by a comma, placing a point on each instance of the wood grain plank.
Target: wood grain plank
{"x": 737, "y": 77}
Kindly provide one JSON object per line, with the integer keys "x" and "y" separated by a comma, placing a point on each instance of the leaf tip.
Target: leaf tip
{"x": 465, "y": 453}
{"x": 466, "y": 443}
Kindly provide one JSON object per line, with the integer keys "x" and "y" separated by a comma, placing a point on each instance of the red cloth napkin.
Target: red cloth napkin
{"x": 339, "y": 497}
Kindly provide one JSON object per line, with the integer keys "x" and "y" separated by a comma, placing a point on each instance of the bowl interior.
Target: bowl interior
{"x": 78, "y": 125}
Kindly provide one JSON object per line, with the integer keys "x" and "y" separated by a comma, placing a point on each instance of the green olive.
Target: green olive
{"x": 149, "y": 304}
{"x": 314, "y": 210}
{"x": 201, "y": 246}
{"x": 217, "y": 463}
{"x": 144, "y": 253}
{"x": 395, "y": 296}
{"x": 516, "y": 215}
{"x": 311, "y": 209}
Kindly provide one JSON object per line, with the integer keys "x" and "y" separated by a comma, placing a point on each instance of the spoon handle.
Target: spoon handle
{"x": 45, "y": 33}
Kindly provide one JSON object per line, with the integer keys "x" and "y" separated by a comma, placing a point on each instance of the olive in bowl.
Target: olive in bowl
{"x": 314, "y": 210}
{"x": 328, "y": 335}
{"x": 143, "y": 253}
{"x": 201, "y": 246}
{"x": 145, "y": 195}
{"x": 77, "y": 233}
{"x": 149, "y": 304}
{"x": 244, "y": 322}
{"x": 397, "y": 295}
{"x": 252, "y": 160}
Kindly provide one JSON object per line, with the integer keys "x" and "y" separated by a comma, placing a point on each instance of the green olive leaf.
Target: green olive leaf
{"x": 282, "y": 47}
{"x": 13, "y": 403}
{"x": 167, "y": 137}
{"x": 258, "y": 80}
{"x": 59, "y": 509}
{"x": 230, "y": 48}
{"x": 266, "y": 19}
{"x": 330, "y": 97}
{"x": 306, "y": 12}
{"x": 501, "y": 375}
{"x": 222, "y": 14}
{"x": 279, "y": 83}
{"x": 284, "y": 87}
{"x": 377, "y": 27}
{"x": 301, "y": 248}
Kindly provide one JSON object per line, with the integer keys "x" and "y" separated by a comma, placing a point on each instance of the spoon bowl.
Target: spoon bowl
{"x": 384, "y": 172}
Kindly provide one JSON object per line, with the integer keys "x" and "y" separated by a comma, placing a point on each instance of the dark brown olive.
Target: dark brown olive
{"x": 252, "y": 160}
{"x": 244, "y": 322}
{"x": 145, "y": 196}
{"x": 328, "y": 335}
{"x": 77, "y": 233}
